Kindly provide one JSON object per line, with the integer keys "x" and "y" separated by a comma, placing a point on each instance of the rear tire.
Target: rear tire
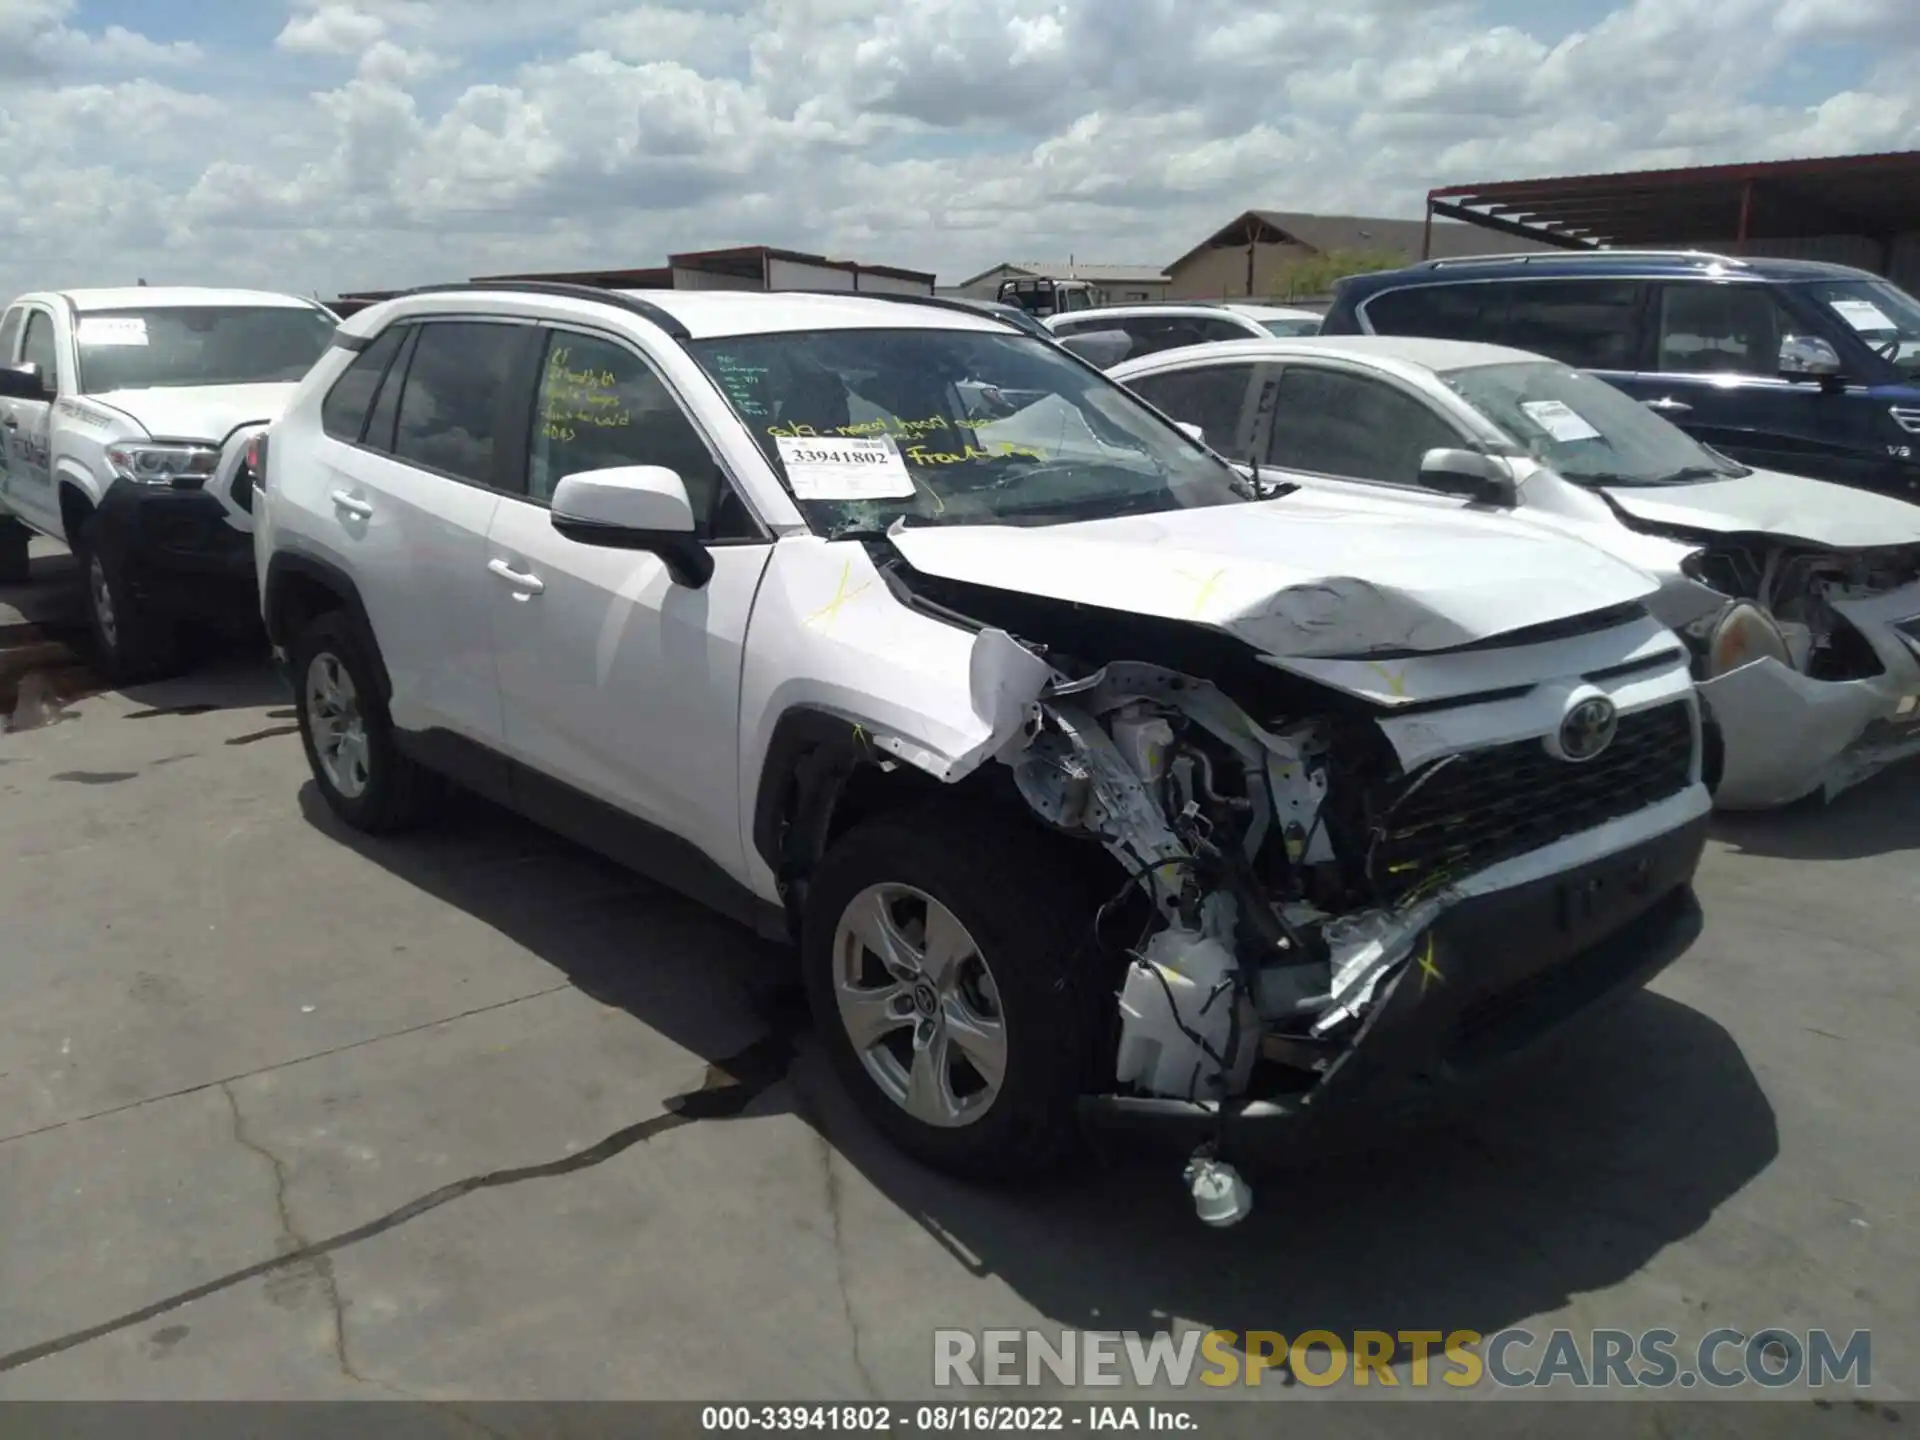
{"x": 348, "y": 736}
{"x": 131, "y": 644}
{"x": 1007, "y": 902}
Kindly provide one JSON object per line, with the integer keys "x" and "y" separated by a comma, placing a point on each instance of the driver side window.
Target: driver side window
{"x": 599, "y": 406}
{"x": 1331, "y": 422}
{"x": 38, "y": 349}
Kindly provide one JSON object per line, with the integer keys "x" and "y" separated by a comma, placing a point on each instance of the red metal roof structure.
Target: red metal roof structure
{"x": 1875, "y": 196}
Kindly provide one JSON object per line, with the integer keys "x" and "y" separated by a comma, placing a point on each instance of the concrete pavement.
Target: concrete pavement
{"x": 530, "y": 1128}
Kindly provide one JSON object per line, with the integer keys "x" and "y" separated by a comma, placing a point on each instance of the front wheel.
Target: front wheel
{"x": 941, "y": 957}
{"x": 132, "y": 643}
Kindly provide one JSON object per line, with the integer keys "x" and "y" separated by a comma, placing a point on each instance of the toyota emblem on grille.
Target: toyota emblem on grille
{"x": 1588, "y": 728}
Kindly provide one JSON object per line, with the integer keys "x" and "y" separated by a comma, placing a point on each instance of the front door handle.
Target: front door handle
{"x": 520, "y": 580}
{"x": 359, "y": 509}
{"x": 1667, "y": 405}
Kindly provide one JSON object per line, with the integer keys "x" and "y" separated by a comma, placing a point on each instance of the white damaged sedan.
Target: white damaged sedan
{"x": 1799, "y": 599}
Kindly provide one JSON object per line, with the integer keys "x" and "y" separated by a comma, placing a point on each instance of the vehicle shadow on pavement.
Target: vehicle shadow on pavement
{"x": 1880, "y": 817}
{"x": 1599, "y": 1156}
{"x": 706, "y": 984}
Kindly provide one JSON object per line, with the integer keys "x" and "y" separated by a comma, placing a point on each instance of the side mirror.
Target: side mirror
{"x": 634, "y": 507}
{"x": 1193, "y": 430}
{"x": 1808, "y": 357}
{"x": 1102, "y": 349}
{"x": 23, "y": 382}
{"x": 1485, "y": 478}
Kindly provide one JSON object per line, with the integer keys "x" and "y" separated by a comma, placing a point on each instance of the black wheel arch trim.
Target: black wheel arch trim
{"x": 286, "y": 566}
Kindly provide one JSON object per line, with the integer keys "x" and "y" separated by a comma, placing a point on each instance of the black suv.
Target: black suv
{"x": 1785, "y": 364}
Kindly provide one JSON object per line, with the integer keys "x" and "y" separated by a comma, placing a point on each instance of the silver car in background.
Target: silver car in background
{"x": 1799, "y": 599}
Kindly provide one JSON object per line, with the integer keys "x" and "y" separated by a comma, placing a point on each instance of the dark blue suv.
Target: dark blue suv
{"x": 1783, "y": 364}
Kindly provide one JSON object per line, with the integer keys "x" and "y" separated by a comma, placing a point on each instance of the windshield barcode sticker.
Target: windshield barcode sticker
{"x": 1559, "y": 419}
{"x": 830, "y": 467}
{"x": 112, "y": 330}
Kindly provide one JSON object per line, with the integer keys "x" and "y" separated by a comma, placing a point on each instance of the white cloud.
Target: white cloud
{"x": 332, "y": 29}
{"x": 460, "y": 136}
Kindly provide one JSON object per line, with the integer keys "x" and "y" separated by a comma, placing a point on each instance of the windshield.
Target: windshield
{"x": 954, "y": 427}
{"x": 1584, "y": 428}
{"x": 199, "y": 345}
{"x": 1883, "y": 315}
{"x": 1292, "y": 327}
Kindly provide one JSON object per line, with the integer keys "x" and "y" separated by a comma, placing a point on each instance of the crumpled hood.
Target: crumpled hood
{"x": 1300, "y": 575}
{"x": 198, "y": 412}
{"x": 1767, "y": 502}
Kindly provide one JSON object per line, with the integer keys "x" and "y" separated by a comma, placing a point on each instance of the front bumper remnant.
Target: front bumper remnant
{"x": 177, "y": 551}
{"x": 1494, "y": 978}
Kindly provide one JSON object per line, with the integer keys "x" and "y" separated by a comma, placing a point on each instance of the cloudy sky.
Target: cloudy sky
{"x": 320, "y": 145}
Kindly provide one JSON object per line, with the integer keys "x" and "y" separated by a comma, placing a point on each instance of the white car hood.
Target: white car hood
{"x": 198, "y": 412}
{"x": 1300, "y": 575}
{"x": 1767, "y": 502}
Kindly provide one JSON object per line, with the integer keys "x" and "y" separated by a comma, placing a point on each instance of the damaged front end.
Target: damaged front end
{"x": 1308, "y": 920}
{"x": 1811, "y": 670}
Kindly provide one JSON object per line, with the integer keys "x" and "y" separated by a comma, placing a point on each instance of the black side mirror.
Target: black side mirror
{"x": 1487, "y": 479}
{"x": 23, "y": 382}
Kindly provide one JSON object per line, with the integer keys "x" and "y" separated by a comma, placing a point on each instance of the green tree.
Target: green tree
{"x": 1317, "y": 274}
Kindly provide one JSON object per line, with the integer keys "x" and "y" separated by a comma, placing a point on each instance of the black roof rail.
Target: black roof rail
{"x": 563, "y": 289}
{"x": 937, "y": 302}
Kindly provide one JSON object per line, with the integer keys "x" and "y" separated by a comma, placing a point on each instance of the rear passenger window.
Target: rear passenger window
{"x": 1213, "y": 398}
{"x": 1326, "y": 422}
{"x": 10, "y": 333}
{"x": 1438, "y": 312}
{"x": 1589, "y": 324}
{"x": 385, "y": 415}
{"x": 343, "y": 414}
{"x": 450, "y": 408}
{"x": 1174, "y": 332}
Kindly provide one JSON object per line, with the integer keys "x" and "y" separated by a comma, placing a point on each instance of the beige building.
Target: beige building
{"x": 1269, "y": 254}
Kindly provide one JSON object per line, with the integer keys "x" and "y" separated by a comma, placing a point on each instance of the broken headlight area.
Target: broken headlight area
{"x": 1280, "y": 871}
{"x": 1780, "y": 605}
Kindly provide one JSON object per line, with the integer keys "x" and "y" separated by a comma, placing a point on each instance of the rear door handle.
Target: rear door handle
{"x": 1667, "y": 405}
{"x": 517, "y": 578}
{"x": 357, "y": 508}
{"x": 13, "y": 424}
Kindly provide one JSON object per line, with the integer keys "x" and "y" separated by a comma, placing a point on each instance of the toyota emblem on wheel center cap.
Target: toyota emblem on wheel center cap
{"x": 924, "y": 1000}
{"x": 1588, "y": 728}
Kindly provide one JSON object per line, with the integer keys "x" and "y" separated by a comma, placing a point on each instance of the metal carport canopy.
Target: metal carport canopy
{"x": 1876, "y": 196}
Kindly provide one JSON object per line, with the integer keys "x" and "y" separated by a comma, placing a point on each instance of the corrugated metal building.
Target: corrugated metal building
{"x": 1859, "y": 210}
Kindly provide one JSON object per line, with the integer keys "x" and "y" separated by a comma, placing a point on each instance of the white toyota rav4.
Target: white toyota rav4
{"x": 1066, "y": 762}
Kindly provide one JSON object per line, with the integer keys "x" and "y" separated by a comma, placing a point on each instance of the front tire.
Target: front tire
{"x": 942, "y": 955}
{"x": 131, "y": 643}
{"x": 15, "y": 567}
{"x": 348, "y": 737}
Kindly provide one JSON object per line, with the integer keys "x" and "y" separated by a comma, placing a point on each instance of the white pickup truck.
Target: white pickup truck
{"x": 124, "y": 416}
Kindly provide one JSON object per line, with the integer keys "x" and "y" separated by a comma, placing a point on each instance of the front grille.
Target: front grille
{"x": 1491, "y": 805}
{"x": 243, "y": 487}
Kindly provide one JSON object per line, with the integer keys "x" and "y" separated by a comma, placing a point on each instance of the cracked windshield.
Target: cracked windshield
{"x": 949, "y": 427}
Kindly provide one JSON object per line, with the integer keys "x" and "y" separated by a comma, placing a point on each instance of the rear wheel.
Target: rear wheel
{"x": 131, "y": 642}
{"x": 940, "y": 954}
{"x": 349, "y": 740}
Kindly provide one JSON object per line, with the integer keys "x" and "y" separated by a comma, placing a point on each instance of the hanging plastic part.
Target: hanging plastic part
{"x": 1187, "y": 1027}
{"x": 1220, "y": 1197}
